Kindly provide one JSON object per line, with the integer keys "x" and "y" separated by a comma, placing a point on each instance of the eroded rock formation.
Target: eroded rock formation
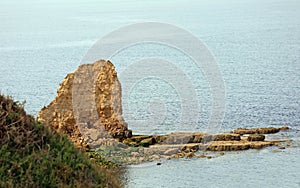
{"x": 88, "y": 105}
{"x": 142, "y": 148}
{"x": 88, "y": 109}
{"x": 266, "y": 130}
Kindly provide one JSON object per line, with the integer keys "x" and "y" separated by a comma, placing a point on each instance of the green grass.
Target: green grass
{"x": 32, "y": 155}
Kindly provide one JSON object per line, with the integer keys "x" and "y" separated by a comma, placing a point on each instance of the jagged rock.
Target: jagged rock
{"x": 88, "y": 104}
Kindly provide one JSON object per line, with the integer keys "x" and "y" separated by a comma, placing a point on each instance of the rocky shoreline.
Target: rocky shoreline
{"x": 145, "y": 148}
{"x": 88, "y": 109}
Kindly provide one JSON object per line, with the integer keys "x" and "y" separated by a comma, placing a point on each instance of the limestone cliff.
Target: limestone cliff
{"x": 88, "y": 105}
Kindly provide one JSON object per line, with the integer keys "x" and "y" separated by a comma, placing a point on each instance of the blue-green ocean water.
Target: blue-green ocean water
{"x": 255, "y": 43}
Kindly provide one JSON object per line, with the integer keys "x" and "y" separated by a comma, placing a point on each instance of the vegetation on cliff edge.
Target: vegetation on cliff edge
{"x": 32, "y": 155}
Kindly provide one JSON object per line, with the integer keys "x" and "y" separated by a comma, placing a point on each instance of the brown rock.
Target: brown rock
{"x": 171, "y": 151}
{"x": 88, "y": 100}
{"x": 191, "y": 147}
{"x": 130, "y": 143}
{"x": 275, "y": 151}
{"x": 237, "y": 145}
{"x": 178, "y": 155}
{"x": 189, "y": 154}
{"x": 198, "y": 138}
{"x": 256, "y": 137}
{"x": 178, "y": 138}
{"x": 228, "y": 146}
{"x": 222, "y": 153}
{"x": 281, "y": 147}
{"x": 139, "y": 138}
{"x": 147, "y": 142}
{"x": 226, "y": 137}
{"x": 268, "y": 130}
{"x": 200, "y": 156}
{"x": 259, "y": 144}
{"x": 283, "y": 128}
{"x": 160, "y": 138}
{"x": 207, "y": 138}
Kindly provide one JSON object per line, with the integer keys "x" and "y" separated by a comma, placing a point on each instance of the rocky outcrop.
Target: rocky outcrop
{"x": 88, "y": 109}
{"x": 88, "y": 105}
{"x": 267, "y": 130}
{"x": 141, "y": 148}
{"x": 145, "y": 148}
{"x": 256, "y": 137}
{"x": 180, "y": 138}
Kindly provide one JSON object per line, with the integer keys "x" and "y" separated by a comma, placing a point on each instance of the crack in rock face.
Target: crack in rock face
{"x": 88, "y": 105}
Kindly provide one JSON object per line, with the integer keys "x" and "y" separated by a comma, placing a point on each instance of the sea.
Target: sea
{"x": 252, "y": 80}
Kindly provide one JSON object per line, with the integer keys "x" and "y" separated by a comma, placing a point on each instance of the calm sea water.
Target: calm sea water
{"x": 255, "y": 43}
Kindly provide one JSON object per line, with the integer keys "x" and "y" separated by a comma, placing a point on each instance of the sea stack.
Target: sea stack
{"x": 88, "y": 105}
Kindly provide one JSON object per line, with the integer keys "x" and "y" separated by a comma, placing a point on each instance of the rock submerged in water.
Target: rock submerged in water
{"x": 104, "y": 93}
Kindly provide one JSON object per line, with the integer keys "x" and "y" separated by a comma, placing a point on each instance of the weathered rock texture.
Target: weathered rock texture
{"x": 88, "y": 105}
{"x": 267, "y": 130}
{"x": 142, "y": 148}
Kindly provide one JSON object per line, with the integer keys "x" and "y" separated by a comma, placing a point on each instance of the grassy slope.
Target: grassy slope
{"x": 32, "y": 155}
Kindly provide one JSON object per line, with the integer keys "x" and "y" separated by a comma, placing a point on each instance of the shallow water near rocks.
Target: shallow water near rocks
{"x": 268, "y": 167}
{"x": 262, "y": 168}
{"x": 255, "y": 43}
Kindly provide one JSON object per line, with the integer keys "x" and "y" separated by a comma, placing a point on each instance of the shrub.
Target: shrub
{"x": 32, "y": 155}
